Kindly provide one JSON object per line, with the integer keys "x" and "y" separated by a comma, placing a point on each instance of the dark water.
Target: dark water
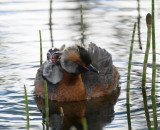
{"x": 109, "y": 24}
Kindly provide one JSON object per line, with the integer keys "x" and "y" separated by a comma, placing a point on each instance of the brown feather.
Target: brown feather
{"x": 71, "y": 88}
{"x": 101, "y": 90}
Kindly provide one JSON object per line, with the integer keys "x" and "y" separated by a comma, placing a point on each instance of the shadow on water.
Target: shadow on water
{"x": 98, "y": 112}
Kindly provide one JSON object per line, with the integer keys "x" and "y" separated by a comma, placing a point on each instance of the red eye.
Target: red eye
{"x": 54, "y": 58}
{"x": 78, "y": 62}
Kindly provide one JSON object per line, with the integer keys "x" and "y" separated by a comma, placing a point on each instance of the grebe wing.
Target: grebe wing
{"x": 102, "y": 60}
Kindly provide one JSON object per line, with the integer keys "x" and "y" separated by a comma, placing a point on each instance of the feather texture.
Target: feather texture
{"x": 102, "y": 60}
{"x": 93, "y": 84}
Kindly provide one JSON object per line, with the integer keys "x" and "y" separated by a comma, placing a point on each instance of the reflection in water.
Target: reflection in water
{"x": 82, "y": 26}
{"x": 129, "y": 116}
{"x": 97, "y": 112}
{"x": 146, "y": 107}
{"x": 50, "y": 23}
{"x": 139, "y": 22}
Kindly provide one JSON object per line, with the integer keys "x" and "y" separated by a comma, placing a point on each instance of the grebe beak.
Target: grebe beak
{"x": 92, "y": 68}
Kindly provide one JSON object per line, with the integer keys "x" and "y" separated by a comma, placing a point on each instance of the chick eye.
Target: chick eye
{"x": 54, "y": 58}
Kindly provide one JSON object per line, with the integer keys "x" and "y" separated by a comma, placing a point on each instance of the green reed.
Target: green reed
{"x": 154, "y": 70}
{"x": 138, "y": 21}
{"x": 50, "y": 12}
{"x": 148, "y": 22}
{"x": 46, "y": 105}
{"x": 82, "y": 26}
{"x": 84, "y": 123}
{"x": 146, "y": 108}
{"x": 128, "y": 79}
{"x": 129, "y": 117}
{"x": 61, "y": 111}
{"x": 50, "y": 22}
{"x": 129, "y": 64}
{"x": 26, "y": 106}
{"x": 61, "y": 114}
{"x": 41, "y": 55}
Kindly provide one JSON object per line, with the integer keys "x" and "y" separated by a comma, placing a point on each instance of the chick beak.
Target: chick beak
{"x": 92, "y": 68}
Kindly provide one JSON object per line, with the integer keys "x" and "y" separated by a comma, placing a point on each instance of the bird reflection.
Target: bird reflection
{"x": 97, "y": 112}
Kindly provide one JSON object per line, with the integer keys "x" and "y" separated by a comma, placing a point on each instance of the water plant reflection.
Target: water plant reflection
{"x": 139, "y": 24}
{"x": 97, "y": 112}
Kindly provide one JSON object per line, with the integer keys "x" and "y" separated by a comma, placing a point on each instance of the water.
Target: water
{"x": 109, "y": 24}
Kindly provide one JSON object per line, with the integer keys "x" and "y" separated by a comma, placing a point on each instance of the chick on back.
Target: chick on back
{"x": 93, "y": 69}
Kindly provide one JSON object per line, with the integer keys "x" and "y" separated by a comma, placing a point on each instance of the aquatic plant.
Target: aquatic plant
{"x": 154, "y": 70}
{"x": 129, "y": 117}
{"x": 138, "y": 21}
{"x": 61, "y": 111}
{"x": 26, "y": 107}
{"x": 82, "y": 26}
{"x": 50, "y": 22}
{"x": 129, "y": 63}
{"x": 46, "y": 105}
{"x": 148, "y": 22}
{"x": 146, "y": 108}
{"x": 41, "y": 55}
{"x": 128, "y": 79}
{"x": 84, "y": 123}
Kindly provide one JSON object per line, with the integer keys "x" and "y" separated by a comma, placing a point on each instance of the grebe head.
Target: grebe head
{"x": 76, "y": 60}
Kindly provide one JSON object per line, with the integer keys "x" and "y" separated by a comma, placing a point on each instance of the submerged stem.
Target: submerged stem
{"x": 128, "y": 78}
{"x": 46, "y": 105}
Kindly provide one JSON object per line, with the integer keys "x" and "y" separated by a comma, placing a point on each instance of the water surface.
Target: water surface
{"x": 108, "y": 23}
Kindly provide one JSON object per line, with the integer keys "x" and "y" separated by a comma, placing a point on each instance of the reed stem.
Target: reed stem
{"x": 41, "y": 56}
{"x": 61, "y": 111}
{"x": 46, "y": 105}
{"x": 146, "y": 108}
{"x": 154, "y": 70}
{"x": 139, "y": 22}
{"x": 84, "y": 123}
{"x": 26, "y": 106}
{"x": 129, "y": 64}
{"x": 50, "y": 23}
{"x": 149, "y": 25}
{"x": 129, "y": 117}
{"x": 128, "y": 78}
{"x": 82, "y": 26}
{"x": 148, "y": 22}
